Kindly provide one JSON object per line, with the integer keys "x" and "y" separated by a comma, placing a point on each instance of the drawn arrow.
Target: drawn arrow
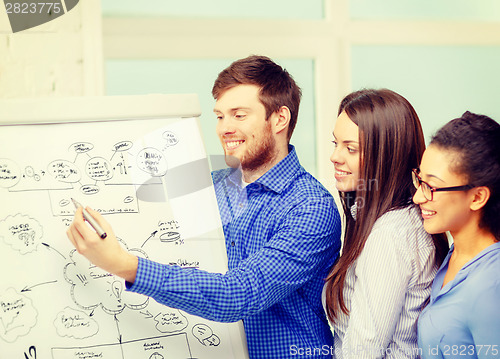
{"x": 147, "y": 314}
{"x": 28, "y": 289}
{"x": 49, "y": 247}
{"x": 119, "y": 335}
{"x": 124, "y": 164}
{"x": 152, "y": 235}
{"x": 118, "y": 327}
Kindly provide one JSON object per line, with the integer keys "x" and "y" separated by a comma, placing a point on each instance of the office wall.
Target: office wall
{"x": 441, "y": 55}
{"x": 62, "y": 57}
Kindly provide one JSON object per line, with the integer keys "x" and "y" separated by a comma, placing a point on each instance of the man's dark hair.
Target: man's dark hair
{"x": 277, "y": 86}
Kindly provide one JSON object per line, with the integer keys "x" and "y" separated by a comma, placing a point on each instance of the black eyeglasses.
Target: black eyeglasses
{"x": 428, "y": 190}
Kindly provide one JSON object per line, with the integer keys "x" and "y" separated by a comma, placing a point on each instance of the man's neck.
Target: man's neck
{"x": 251, "y": 175}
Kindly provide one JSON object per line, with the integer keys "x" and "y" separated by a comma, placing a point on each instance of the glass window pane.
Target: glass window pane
{"x": 440, "y": 82}
{"x": 255, "y": 9}
{"x": 486, "y": 10}
{"x": 137, "y": 77}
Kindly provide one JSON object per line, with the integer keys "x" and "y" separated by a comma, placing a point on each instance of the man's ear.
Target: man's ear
{"x": 281, "y": 119}
{"x": 481, "y": 196}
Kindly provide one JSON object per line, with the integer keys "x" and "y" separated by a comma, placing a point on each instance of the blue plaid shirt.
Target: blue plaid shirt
{"x": 282, "y": 237}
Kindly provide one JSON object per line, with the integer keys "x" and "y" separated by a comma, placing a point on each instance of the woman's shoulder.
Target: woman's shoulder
{"x": 485, "y": 267}
{"x": 402, "y": 227}
{"x": 483, "y": 289}
{"x": 400, "y": 219}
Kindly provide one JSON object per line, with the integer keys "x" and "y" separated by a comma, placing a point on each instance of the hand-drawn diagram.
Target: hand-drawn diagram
{"x": 21, "y": 232}
{"x": 17, "y": 315}
{"x": 75, "y": 323}
{"x": 59, "y": 305}
{"x": 91, "y": 287}
{"x": 205, "y": 335}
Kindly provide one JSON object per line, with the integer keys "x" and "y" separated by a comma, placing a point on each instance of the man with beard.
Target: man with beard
{"x": 281, "y": 225}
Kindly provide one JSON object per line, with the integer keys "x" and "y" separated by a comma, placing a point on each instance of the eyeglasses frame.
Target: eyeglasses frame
{"x": 416, "y": 176}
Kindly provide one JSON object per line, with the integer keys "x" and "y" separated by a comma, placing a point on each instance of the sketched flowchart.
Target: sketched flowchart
{"x": 61, "y": 306}
{"x": 92, "y": 174}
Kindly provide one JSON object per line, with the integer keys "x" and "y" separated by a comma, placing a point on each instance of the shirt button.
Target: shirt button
{"x": 232, "y": 243}
{"x": 241, "y": 205}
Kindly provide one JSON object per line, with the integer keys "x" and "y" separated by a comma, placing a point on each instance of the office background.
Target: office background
{"x": 442, "y": 55}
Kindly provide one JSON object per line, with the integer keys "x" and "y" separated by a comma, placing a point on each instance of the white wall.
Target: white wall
{"x": 60, "y": 58}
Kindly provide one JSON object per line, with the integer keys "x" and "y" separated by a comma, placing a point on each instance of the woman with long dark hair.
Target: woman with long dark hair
{"x": 382, "y": 280}
{"x": 459, "y": 191}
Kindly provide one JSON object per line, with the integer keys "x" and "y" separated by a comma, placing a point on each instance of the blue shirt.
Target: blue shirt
{"x": 282, "y": 237}
{"x": 462, "y": 319}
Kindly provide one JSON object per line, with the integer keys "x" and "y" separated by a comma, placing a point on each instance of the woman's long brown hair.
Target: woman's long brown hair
{"x": 391, "y": 144}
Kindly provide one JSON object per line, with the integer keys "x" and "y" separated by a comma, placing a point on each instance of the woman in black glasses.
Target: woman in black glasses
{"x": 458, "y": 191}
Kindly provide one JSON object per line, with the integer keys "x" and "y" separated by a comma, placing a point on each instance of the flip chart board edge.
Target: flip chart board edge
{"x": 83, "y": 109}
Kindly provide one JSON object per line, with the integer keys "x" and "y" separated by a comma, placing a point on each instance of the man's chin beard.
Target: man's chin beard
{"x": 251, "y": 161}
{"x": 254, "y": 164}
{"x": 259, "y": 161}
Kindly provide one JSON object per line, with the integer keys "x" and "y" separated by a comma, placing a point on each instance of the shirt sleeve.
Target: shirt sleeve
{"x": 484, "y": 322}
{"x": 306, "y": 243}
{"x": 383, "y": 274}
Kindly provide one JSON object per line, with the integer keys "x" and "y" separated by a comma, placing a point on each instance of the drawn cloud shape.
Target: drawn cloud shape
{"x": 74, "y": 323}
{"x": 171, "y": 321}
{"x": 205, "y": 335}
{"x": 21, "y": 232}
{"x": 92, "y": 287}
{"x": 17, "y": 315}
